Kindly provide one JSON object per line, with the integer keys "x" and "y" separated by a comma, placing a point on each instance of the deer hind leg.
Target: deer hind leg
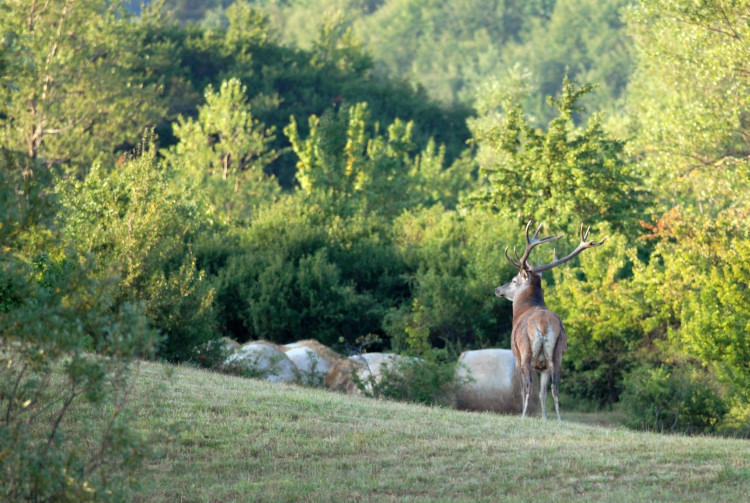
{"x": 552, "y": 370}
{"x": 526, "y": 376}
{"x": 543, "y": 383}
{"x": 555, "y": 381}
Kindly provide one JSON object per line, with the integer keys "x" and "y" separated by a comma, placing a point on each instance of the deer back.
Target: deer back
{"x": 537, "y": 331}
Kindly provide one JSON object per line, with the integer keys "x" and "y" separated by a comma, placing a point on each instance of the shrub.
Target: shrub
{"x": 423, "y": 375}
{"x": 429, "y": 379}
{"x": 138, "y": 228}
{"x": 672, "y": 398}
{"x": 64, "y": 358}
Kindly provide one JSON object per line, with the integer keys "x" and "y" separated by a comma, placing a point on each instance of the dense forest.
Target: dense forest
{"x": 351, "y": 170}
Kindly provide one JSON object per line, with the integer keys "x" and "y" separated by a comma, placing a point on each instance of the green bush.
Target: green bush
{"x": 422, "y": 375}
{"x": 66, "y": 362}
{"x": 297, "y": 273}
{"x": 454, "y": 262}
{"x": 429, "y": 379}
{"x": 138, "y": 228}
{"x": 672, "y": 398}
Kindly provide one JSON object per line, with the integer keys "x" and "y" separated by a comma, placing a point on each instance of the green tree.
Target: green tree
{"x": 690, "y": 101}
{"x": 227, "y": 149}
{"x": 603, "y": 313}
{"x": 454, "y": 261}
{"x": 75, "y": 84}
{"x": 691, "y": 96}
{"x": 138, "y": 227}
{"x": 565, "y": 175}
{"x": 343, "y": 162}
{"x": 585, "y": 40}
{"x": 65, "y": 351}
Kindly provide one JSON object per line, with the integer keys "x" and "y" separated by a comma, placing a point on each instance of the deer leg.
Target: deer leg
{"x": 543, "y": 383}
{"x": 555, "y": 381}
{"x": 526, "y": 374}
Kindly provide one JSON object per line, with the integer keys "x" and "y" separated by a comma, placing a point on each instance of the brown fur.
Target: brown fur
{"x": 533, "y": 326}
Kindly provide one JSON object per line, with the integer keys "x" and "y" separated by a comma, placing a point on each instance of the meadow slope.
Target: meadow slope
{"x": 248, "y": 440}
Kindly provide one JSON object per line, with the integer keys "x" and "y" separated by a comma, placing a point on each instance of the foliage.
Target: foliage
{"x": 345, "y": 163}
{"x": 700, "y": 275}
{"x": 422, "y": 375}
{"x": 286, "y": 81}
{"x": 75, "y": 87}
{"x": 602, "y": 311}
{"x": 690, "y": 96}
{"x": 367, "y": 217}
{"x": 565, "y": 174}
{"x": 295, "y": 275}
{"x": 227, "y": 150}
{"x": 138, "y": 229}
{"x": 584, "y": 40}
{"x": 455, "y": 262}
{"x": 429, "y": 379}
{"x": 64, "y": 349}
{"x": 672, "y": 398}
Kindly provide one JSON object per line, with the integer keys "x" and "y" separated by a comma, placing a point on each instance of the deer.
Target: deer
{"x": 538, "y": 338}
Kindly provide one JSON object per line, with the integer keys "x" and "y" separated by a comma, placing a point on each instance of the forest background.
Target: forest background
{"x": 352, "y": 170}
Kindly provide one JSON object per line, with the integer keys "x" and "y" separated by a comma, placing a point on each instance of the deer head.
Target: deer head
{"x": 527, "y": 273}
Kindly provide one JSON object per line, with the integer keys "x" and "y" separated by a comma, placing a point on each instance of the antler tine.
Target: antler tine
{"x": 536, "y": 234}
{"x": 583, "y": 245}
{"x": 518, "y": 266}
{"x": 532, "y": 243}
{"x": 585, "y": 236}
{"x": 516, "y": 254}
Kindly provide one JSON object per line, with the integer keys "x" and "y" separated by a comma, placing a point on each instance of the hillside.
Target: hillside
{"x": 248, "y": 440}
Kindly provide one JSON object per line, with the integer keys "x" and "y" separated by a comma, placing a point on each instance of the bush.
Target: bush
{"x": 139, "y": 228}
{"x": 672, "y": 398}
{"x": 64, "y": 360}
{"x": 298, "y": 274}
{"x": 455, "y": 260}
{"x": 423, "y": 375}
{"x": 429, "y": 379}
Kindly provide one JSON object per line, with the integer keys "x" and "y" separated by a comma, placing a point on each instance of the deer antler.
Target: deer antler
{"x": 581, "y": 246}
{"x": 530, "y": 245}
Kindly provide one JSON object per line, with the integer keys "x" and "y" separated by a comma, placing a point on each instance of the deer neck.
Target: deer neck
{"x": 530, "y": 298}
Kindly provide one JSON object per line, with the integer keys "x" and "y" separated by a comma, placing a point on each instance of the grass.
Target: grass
{"x": 249, "y": 440}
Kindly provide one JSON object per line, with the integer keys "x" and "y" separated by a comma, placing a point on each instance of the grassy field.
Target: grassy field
{"x": 248, "y": 440}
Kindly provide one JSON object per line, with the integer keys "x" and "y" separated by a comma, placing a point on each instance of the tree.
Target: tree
{"x": 565, "y": 175}
{"x": 65, "y": 351}
{"x": 691, "y": 101}
{"x": 228, "y": 149}
{"x": 350, "y": 167}
{"x": 691, "y": 97}
{"x": 137, "y": 227}
{"x": 585, "y": 40}
{"x": 74, "y": 83}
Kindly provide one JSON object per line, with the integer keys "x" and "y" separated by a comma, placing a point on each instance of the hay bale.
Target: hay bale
{"x": 321, "y": 350}
{"x": 373, "y": 365}
{"x": 495, "y": 385}
{"x": 263, "y": 360}
{"x": 340, "y": 376}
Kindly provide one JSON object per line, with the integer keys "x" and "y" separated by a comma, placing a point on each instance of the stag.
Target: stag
{"x": 538, "y": 338}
